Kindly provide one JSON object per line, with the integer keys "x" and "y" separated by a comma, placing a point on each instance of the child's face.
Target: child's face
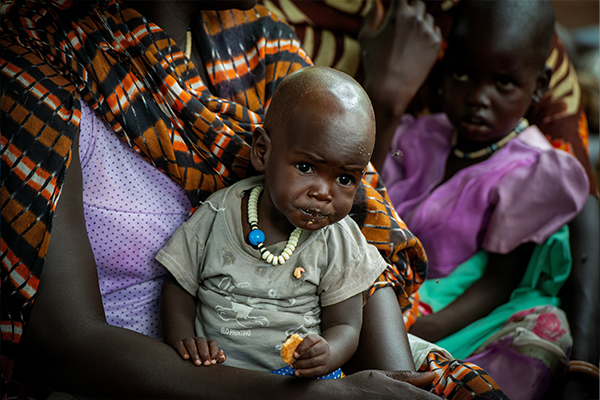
{"x": 487, "y": 85}
{"x": 315, "y": 166}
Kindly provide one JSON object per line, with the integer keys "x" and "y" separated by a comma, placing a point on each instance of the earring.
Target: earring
{"x": 535, "y": 98}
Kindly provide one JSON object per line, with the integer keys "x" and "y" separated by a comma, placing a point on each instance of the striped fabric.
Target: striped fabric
{"x": 456, "y": 379}
{"x": 329, "y": 30}
{"x": 54, "y": 52}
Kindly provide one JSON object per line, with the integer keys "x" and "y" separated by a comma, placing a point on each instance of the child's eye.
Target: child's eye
{"x": 345, "y": 180}
{"x": 505, "y": 83}
{"x": 304, "y": 168}
{"x": 460, "y": 76}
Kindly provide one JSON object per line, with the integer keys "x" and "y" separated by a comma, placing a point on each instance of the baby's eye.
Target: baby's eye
{"x": 505, "y": 83}
{"x": 304, "y": 168}
{"x": 460, "y": 76}
{"x": 345, "y": 180}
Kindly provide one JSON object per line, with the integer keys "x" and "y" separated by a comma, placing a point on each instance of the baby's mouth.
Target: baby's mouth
{"x": 313, "y": 216}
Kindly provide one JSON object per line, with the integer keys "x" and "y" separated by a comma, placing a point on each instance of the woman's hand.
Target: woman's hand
{"x": 417, "y": 379}
{"x": 405, "y": 384}
{"x": 200, "y": 351}
{"x": 398, "y": 50}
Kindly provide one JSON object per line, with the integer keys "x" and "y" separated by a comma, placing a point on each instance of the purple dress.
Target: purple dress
{"x": 523, "y": 193}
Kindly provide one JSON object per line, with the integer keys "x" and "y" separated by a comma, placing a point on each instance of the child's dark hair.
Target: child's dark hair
{"x": 531, "y": 21}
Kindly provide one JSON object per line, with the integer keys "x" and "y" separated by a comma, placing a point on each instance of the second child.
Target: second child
{"x": 489, "y": 198}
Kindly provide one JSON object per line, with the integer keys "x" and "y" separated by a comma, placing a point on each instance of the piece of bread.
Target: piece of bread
{"x": 288, "y": 348}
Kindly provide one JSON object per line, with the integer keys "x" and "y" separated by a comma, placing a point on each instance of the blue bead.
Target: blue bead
{"x": 256, "y": 236}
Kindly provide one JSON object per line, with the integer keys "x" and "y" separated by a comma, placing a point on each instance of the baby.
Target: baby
{"x": 277, "y": 254}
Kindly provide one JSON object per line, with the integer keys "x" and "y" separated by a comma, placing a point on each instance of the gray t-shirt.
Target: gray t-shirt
{"x": 249, "y": 306}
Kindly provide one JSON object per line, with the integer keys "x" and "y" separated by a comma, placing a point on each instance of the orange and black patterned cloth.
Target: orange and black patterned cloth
{"x": 54, "y": 53}
{"x": 329, "y": 30}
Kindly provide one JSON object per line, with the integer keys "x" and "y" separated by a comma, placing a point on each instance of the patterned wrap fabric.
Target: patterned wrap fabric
{"x": 329, "y": 32}
{"x": 54, "y": 52}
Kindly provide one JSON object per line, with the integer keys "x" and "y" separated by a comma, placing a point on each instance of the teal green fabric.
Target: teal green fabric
{"x": 548, "y": 269}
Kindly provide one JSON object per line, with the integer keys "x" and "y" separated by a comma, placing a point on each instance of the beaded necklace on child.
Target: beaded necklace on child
{"x": 257, "y": 237}
{"x": 523, "y": 123}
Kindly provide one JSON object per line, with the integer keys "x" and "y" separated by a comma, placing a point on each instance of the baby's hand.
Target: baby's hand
{"x": 200, "y": 351}
{"x": 312, "y": 357}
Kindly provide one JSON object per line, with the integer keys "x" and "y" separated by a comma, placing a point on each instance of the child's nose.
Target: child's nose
{"x": 321, "y": 191}
{"x": 479, "y": 96}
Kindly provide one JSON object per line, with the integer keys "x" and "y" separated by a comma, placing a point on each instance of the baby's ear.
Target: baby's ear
{"x": 543, "y": 81}
{"x": 261, "y": 148}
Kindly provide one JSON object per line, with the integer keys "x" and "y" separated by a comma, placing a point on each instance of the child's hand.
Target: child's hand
{"x": 312, "y": 357}
{"x": 200, "y": 351}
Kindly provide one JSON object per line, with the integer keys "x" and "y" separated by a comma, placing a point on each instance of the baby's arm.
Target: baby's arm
{"x": 320, "y": 355}
{"x": 178, "y": 313}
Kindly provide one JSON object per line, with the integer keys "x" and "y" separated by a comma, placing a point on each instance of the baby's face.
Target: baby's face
{"x": 316, "y": 166}
{"x": 487, "y": 86}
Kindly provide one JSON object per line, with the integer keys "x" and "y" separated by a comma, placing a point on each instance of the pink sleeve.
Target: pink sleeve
{"x": 533, "y": 202}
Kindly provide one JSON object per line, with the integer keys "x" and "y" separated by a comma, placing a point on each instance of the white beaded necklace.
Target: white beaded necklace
{"x": 257, "y": 237}
{"x": 523, "y": 123}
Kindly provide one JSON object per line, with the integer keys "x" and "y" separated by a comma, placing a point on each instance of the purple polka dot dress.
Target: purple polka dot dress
{"x": 131, "y": 210}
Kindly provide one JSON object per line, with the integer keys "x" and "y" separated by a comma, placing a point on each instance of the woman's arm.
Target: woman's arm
{"x": 383, "y": 341}
{"x": 502, "y": 275}
{"x": 398, "y": 51}
{"x": 68, "y": 344}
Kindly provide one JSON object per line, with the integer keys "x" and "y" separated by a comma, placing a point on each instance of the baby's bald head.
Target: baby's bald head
{"x": 315, "y": 147}
{"x": 318, "y": 94}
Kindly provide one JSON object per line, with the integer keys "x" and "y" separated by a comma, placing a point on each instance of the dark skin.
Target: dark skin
{"x": 178, "y": 313}
{"x": 399, "y": 43}
{"x": 317, "y": 355}
{"x": 391, "y": 79}
{"x": 313, "y": 164}
{"x": 69, "y": 346}
{"x": 488, "y": 85}
{"x": 383, "y": 340}
{"x": 399, "y": 47}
